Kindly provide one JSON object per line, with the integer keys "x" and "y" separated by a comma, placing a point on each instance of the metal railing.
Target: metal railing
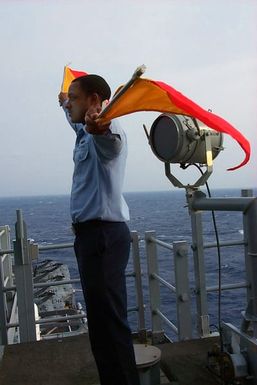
{"x": 181, "y": 288}
{"x": 6, "y": 279}
{"x": 24, "y": 252}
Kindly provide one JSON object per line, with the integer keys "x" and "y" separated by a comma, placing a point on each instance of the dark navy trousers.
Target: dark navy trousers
{"x": 102, "y": 251}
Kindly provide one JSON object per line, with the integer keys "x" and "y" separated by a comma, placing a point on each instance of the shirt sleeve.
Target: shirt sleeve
{"x": 110, "y": 144}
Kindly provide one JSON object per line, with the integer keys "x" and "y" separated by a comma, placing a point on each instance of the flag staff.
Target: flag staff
{"x": 137, "y": 73}
{"x": 64, "y": 71}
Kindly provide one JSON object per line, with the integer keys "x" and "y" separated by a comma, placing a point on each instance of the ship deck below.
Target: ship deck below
{"x": 69, "y": 361}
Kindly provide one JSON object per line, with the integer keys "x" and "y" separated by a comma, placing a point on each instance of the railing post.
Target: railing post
{"x": 250, "y": 220}
{"x": 139, "y": 289}
{"x": 5, "y": 244}
{"x": 5, "y": 276}
{"x": 154, "y": 287}
{"x": 184, "y": 316}
{"x": 247, "y": 193}
{"x": 203, "y": 326}
{"x": 3, "y": 309}
{"x": 24, "y": 282}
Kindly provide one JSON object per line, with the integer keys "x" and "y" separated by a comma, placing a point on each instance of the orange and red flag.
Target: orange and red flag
{"x": 69, "y": 75}
{"x": 151, "y": 95}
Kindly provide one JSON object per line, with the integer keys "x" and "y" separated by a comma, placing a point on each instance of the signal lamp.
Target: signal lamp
{"x": 184, "y": 140}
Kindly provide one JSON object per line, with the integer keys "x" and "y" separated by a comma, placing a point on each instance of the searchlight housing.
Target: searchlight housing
{"x": 184, "y": 140}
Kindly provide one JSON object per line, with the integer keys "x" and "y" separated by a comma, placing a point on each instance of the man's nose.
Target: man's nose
{"x": 68, "y": 104}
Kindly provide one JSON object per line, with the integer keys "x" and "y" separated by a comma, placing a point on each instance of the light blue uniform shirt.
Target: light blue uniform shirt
{"x": 99, "y": 167}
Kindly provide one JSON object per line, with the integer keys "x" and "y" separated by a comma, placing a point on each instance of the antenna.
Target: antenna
{"x": 146, "y": 132}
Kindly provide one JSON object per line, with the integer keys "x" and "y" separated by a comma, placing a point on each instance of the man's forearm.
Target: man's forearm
{"x": 108, "y": 144}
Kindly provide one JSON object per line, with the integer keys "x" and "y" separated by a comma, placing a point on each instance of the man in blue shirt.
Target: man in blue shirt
{"x": 102, "y": 238}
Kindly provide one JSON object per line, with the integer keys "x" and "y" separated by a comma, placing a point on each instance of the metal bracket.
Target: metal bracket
{"x": 202, "y": 180}
{"x": 239, "y": 342}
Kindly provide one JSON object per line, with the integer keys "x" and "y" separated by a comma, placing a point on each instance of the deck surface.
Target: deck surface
{"x": 68, "y": 361}
{"x": 185, "y": 362}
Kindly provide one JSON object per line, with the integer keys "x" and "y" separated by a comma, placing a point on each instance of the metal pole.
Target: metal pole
{"x": 182, "y": 290}
{"x": 250, "y": 221}
{"x": 5, "y": 275}
{"x": 154, "y": 287}
{"x": 24, "y": 282}
{"x": 246, "y": 193}
{"x": 200, "y": 202}
{"x": 5, "y": 244}
{"x": 3, "y": 309}
{"x": 202, "y": 321}
{"x": 139, "y": 289}
{"x": 249, "y": 208}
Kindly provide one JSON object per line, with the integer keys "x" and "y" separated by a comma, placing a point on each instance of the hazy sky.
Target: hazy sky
{"x": 206, "y": 49}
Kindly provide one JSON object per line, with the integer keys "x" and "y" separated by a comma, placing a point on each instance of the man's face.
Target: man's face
{"x": 78, "y": 103}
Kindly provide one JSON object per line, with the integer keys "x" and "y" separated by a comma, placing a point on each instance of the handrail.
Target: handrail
{"x": 49, "y": 320}
{"x": 3, "y": 252}
{"x": 6, "y": 279}
{"x": 238, "y": 285}
{"x": 161, "y": 243}
{"x": 54, "y": 283}
{"x": 156, "y": 240}
{"x": 223, "y": 244}
{"x": 181, "y": 289}
{"x": 167, "y": 321}
{"x": 55, "y": 246}
{"x": 229, "y": 286}
{"x": 139, "y": 307}
{"x": 165, "y": 283}
{"x": 155, "y": 276}
{"x": 67, "y": 317}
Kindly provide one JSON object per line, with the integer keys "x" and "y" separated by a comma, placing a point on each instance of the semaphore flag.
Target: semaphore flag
{"x": 69, "y": 75}
{"x": 151, "y": 95}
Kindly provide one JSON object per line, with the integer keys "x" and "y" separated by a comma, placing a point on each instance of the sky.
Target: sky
{"x": 206, "y": 49}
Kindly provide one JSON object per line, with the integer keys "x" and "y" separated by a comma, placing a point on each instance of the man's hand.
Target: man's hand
{"x": 63, "y": 96}
{"x": 93, "y": 126}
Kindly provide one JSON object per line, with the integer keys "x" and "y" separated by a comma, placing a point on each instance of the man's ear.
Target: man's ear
{"x": 95, "y": 99}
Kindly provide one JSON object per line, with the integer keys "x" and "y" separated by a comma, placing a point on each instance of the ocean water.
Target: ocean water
{"x": 48, "y": 222}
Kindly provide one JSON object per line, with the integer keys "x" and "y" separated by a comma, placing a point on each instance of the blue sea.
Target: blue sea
{"x": 48, "y": 222}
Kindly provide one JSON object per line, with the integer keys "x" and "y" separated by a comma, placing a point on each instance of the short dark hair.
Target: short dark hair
{"x": 94, "y": 84}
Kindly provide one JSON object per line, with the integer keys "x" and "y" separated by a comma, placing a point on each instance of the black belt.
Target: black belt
{"x": 81, "y": 225}
{"x": 78, "y": 226}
